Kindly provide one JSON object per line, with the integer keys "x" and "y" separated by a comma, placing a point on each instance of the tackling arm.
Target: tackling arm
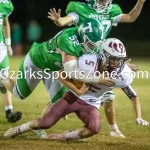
{"x": 74, "y": 72}
{"x": 67, "y": 82}
{"x": 134, "y": 13}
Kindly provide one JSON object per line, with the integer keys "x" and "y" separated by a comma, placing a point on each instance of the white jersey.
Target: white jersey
{"x": 96, "y": 91}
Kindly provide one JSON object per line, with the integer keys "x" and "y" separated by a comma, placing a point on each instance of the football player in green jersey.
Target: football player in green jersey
{"x": 6, "y": 8}
{"x": 103, "y": 10}
{"x": 110, "y": 15}
{"x": 62, "y": 50}
{"x": 45, "y": 58}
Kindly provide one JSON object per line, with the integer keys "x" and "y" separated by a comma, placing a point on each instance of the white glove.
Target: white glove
{"x": 142, "y": 122}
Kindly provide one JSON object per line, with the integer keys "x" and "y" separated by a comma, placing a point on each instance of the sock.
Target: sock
{"x": 8, "y": 107}
{"x": 113, "y": 127}
{"x": 24, "y": 127}
{"x": 72, "y": 135}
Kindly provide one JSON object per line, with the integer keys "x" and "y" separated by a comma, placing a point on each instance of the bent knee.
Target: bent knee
{"x": 46, "y": 122}
{"x": 95, "y": 128}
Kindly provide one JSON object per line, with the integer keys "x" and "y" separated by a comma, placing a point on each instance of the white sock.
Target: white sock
{"x": 8, "y": 107}
{"x": 72, "y": 135}
{"x": 24, "y": 127}
{"x": 113, "y": 127}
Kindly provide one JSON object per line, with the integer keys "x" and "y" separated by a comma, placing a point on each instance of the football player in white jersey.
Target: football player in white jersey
{"x": 84, "y": 105}
{"x": 77, "y": 12}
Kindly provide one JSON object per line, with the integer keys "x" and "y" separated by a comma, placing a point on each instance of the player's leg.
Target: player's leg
{"x": 6, "y": 95}
{"x": 54, "y": 88}
{"x": 58, "y": 110}
{"x": 89, "y": 115}
{"x": 91, "y": 118}
{"x": 26, "y": 80}
{"x": 109, "y": 109}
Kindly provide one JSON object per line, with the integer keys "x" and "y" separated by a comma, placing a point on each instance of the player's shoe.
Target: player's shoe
{"x": 13, "y": 116}
{"x": 40, "y": 133}
{"x": 116, "y": 133}
{"x": 13, "y": 132}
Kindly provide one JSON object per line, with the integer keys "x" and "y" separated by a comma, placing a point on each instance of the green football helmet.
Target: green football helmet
{"x": 99, "y": 7}
{"x": 90, "y": 35}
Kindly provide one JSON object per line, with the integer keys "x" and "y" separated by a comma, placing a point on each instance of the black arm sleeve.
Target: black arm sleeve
{"x": 129, "y": 91}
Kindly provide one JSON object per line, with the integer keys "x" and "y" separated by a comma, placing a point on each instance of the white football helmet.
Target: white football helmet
{"x": 114, "y": 48}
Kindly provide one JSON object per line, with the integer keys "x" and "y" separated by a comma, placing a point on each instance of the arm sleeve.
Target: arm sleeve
{"x": 117, "y": 20}
{"x": 129, "y": 91}
{"x": 116, "y": 13}
{"x": 75, "y": 18}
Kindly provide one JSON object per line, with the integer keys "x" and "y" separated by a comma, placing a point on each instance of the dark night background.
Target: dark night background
{"x": 135, "y": 36}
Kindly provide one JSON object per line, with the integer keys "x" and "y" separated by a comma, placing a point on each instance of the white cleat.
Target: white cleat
{"x": 12, "y": 132}
{"x": 40, "y": 133}
{"x": 116, "y": 133}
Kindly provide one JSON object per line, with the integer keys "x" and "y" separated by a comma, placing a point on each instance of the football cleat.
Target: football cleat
{"x": 11, "y": 133}
{"x": 13, "y": 116}
{"x": 40, "y": 133}
{"x": 116, "y": 133}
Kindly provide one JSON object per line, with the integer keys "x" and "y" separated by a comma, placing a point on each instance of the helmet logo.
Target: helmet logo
{"x": 89, "y": 27}
{"x": 117, "y": 46}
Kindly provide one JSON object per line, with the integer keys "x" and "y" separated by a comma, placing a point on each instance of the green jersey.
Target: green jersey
{"x": 6, "y": 7}
{"x": 84, "y": 11}
{"x": 46, "y": 55}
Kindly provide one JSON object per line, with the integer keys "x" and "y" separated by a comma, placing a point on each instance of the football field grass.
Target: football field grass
{"x": 137, "y": 137}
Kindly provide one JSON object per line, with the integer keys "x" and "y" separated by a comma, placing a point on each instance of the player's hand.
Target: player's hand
{"x": 9, "y": 50}
{"x": 84, "y": 88}
{"x": 53, "y": 15}
{"x": 107, "y": 82}
{"x": 133, "y": 67}
{"x": 142, "y": 122}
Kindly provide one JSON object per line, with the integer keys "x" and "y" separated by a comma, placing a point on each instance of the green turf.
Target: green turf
{"x": 138, "y": 137}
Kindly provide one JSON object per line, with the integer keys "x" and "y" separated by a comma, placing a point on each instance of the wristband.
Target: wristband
{"x": 8, "y": 41}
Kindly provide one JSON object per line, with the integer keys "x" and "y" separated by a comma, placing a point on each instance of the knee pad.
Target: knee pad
{"x": 108, "y": 97}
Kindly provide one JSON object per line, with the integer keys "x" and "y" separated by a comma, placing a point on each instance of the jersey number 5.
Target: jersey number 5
{"x": 89, "y": 62}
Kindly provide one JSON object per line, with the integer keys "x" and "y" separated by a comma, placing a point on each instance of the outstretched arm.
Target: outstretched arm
{"x": 136, "y": 105}
{"x": 58, "y": 20}
{"x": 134, "y": 13}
